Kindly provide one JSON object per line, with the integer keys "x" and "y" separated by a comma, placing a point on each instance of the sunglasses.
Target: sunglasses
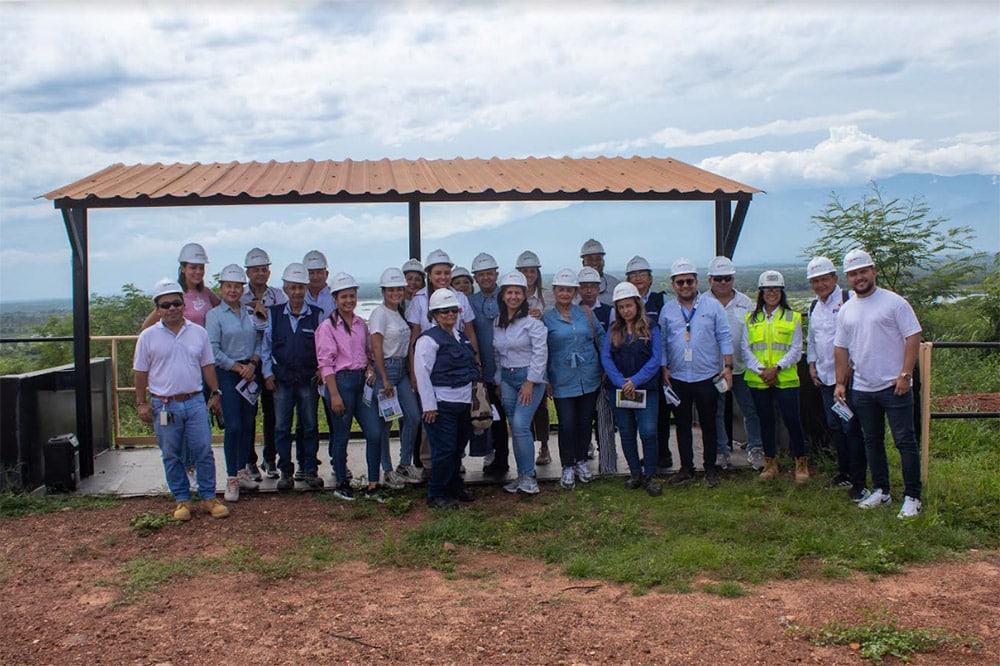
{"x": 722, "y": 278}
{"x": 685, "y": 282}
{"x": 447, "y": 311}
{"x": 166, "y": 305}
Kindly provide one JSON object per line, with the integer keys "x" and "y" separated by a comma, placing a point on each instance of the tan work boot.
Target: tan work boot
{"x": 183, "y": 511}
{"x": 770, "y": 469}
{"x": 801, "y": 469}
{"x": 215, "y": 508}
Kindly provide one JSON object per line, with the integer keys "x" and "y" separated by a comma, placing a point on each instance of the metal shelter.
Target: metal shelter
{"x": 383, "y": 181}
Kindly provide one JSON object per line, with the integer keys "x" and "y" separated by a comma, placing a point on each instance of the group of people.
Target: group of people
{"x": 611, "y": 356}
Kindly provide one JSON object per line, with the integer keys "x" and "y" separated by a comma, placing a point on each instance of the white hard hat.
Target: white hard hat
{"x": 527, "y": 259}
{"x": 233, "y": 273}
{"x": 342, "y": 281}
{"x": 514, "y": 279}
{"x": 257, "y": 257}
{"x": 437, "y": 257}
{"x": 297, "y": 273}
{"x": 484, "y": 262}
{"x": 166, "y": 286}
{"x": 591, "y": 247}
{"x": 314, "y": 260}
{"x": 565, "y": 277}
{"x": 625, "y": 290}
{"x": 637, "y": 263}
{"x": 857, "y": 258}
{"x": 460, "y": 271}
{"x": 413, "y": 266}
{"x": 588, "y": 274}
{"x": 442, "y": 299}
{"x": 771, "y": 279}
{"x": 819, "y": 266}
{"x": 192, "y": 253}
{"x": 683, "y": 267}
{"x": 392, "y": 277}
{"x": 721, "y": 266}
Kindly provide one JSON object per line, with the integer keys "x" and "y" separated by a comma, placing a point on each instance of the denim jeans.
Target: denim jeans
{"x": 266, "y": 402}
{"x": 642, "y": 423}
{"x": 847, "y": 440}
{"x": 520, "y": 416}
{"x": 871, "y": 409}
{"x": 788, "y": 405}
{"x": 451, "y": 429}
{"x": 241, "y": 423}
{"x": 575, "y": 415}
{"x": 703, "y": 394}
{"x": 187, "y": 431}
{"x": 350, "y": 385}
{"x": 751, "y": 422}
{"x": 398, "y": 373}
{"x": 301, "y": 399}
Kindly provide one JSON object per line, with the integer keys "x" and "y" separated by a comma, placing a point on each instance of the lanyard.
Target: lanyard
{"x": 687, "y": 322}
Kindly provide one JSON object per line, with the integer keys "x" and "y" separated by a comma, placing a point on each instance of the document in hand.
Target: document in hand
{"x": 639, "y": 402}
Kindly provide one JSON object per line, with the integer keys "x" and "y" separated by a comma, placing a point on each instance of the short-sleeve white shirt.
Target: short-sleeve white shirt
{"x": 174, "y": 362}
{"x": 873, "y": 331}
{"x": 394, "y": 329}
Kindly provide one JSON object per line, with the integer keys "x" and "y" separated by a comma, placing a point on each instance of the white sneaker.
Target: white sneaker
{"x": 513, "y": 485}
{"x": 232, "y": 489}
{"x": 755, "y": 457}
{"x": 911, "y": 508}
{"x": 393, "y": 480}
{"x": 245, "y": 482}
{"x": 583, "y": 472}
{"x": 722, "y": 460}
{"x": 529, "y": 485}
{"x": 877, "y": 498}
{"x": 409, "y": 473}
{"x": 568, "y": 480}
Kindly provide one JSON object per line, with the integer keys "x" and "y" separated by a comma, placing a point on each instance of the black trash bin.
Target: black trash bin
{"x": 61, "y": 457}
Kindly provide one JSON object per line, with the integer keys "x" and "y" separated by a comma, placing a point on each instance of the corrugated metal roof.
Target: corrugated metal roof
{"x": 258, "y": 180}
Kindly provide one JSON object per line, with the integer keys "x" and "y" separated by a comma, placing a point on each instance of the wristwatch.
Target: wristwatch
{"x": 906, "y": 375}
{"x": 216, "y": 392}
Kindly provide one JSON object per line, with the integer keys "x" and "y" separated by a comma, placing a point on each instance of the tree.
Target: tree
{"x": 915, "y": 254}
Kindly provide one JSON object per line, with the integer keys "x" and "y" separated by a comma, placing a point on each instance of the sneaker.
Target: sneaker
{"x": 409, "y": 473}
{"x": 634, "y": 482}
{"x": 488, "y": 458}
{"x": 286, "y": 482}
{"x": 529, "y": 485}
{"x": 299, "y": 475}
{"x": 254, "y": 472}
{"x": 711, "y": 476}
{"x": 374, "y": 494}
{"x": 513, "y": 485}
{"x": 583, "y": 472}
{"x": 270, "y": 471}
{"x": 183, "y": 511}
{"x": 215, "y": 508}
{"x": 858, "y": 493}
{"x": 568, "y": 480}
{"x": 393, "y": 480}
{"x": 232, "y": 489}
{"x": 246, "y": 483}
{"x": 192, "y": 478}
{"x": 344, "y": 492}
{"x": 681, "y": 476}
{"x": 313, "y": 480}
{"x": 839, "y": 481}
{"x": 877, "y": 498}
{"x": 722, "y": 460}
{"x": 653, "y": 489}
{"x": 544, "y": 457}
{"x": 442, "y": 503}
{"x": 465, "y": 495}
{"x": 755, "y": 457}
{"x": 911, "y": 508}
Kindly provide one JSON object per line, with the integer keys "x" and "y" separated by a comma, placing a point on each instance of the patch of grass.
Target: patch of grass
{"x": 145, "y": 573}
{"x": 19, "y": 505}
{"x": 149, "y": 523}
{"x": 727, "y": 589}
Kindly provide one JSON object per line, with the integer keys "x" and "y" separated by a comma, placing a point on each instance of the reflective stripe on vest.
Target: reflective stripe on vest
{"x": 769, "y": 342}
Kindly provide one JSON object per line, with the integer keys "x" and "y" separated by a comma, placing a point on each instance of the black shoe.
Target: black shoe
{"x": 465, "y": 495}
{"x": 496, "y": 469}
{"x": 858, "y": 493}
{"x": 839, "y": 481}
{"x": 712, "y": 476}
{"x": 286, "y": 482}
{"x": 313, "y": 480}
{"x": 634, "y": 482}
{"x": 653, "y": 488}
{"x": 681, "y": 476}
{"x": 269, "y": 469}
{"x": 254, "y": 472}
{"x": 442, "y": 503}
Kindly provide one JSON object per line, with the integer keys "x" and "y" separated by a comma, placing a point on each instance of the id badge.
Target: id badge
{"x": 163, "y": 417}
{"x": 688, "y": 355}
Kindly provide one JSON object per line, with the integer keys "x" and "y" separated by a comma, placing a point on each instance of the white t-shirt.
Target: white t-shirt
{"x": 416, "y": 313}
{"x": 873, "y": 331}
{"x": 394, "y": 329}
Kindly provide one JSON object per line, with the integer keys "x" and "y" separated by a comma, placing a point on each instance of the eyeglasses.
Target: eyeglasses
{"x": 685, "y": 282}
{"x": 447, "y": 311}
{"x": 166, "y": 305}
{"x": 722, "y": 278}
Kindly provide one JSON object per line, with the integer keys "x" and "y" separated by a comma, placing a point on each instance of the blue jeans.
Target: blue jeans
{"x": 398, "y": 373}
{"x": 703, "y": 394}
{"x": 241, "y": 422}
{"x": 451, "y": 429}
{"x": 788, "y": 405}
{"x": 751, "y": 422}
{"x": 871, "y": 409}
{"x": 847, "y": 440}
{"x": 186, "y": 433}
{"x": 350, "y": 385}
{"x": 300, "y": 398}
{"x": 575, "y": 415}
{"x": 641, "y": 422}
{"x": 520, "y": 416}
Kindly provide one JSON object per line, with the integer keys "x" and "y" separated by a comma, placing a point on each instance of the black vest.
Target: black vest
{"x": 455, "y": 363}
{"x": 630, "y": 357}
{"x": 293, "y": 354}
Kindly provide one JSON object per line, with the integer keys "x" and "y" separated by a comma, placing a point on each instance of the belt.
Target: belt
{"x": 180, "y": 397}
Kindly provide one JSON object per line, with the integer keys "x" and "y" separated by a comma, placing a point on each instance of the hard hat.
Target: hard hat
{"x": 192, "y": 253}
{"x": 527, "y": 259}
{"x": 233, "y": 273}
{"x": 413, "y": 266}
{"x": 565, "y": 277}
{"x": 857, "y": 258}
{"x": 625, "y": 290}
{"x": 297, "y": 273}
{"x": 484, "y": 262}
{"x": 721, "y": 266}
{"x": 257, "y": 257}
{"x": 819, "y": 266}
{"x": 683, "y": 267}
{"x": 460, "y": 271}
{"x": 442, "y": 299}
{"x": 392, "y": 277}
{"x": 591, "y": 247}
{"x": 166, "y": 286}
{"x": 342, "y": 281}
{"x": 588, "y": 274}
{"x": 771, "y": 279}
{"x": 637, "y": 263}
{"x": 314, "y": 260}
{"x": 437, "y": 257}
{"x": 514, "y": 279}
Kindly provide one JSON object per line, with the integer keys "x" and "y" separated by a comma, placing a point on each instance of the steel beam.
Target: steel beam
{"x": 75, "y": 220}
{"x": 414, "y": 230}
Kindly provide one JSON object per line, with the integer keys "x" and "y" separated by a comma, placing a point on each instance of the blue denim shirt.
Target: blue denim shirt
{"x": 487, "y": 309}
{"x": 574, "y": 364}
{"x": 710, "y": 338}
{"x": 232, "y": 334}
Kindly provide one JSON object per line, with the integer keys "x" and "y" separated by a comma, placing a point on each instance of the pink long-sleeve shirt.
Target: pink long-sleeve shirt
{"x": 337, "y": 350}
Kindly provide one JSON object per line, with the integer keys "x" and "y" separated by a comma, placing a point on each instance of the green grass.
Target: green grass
{"x": 19, "y": 505}
{"x": 149, "y": 523}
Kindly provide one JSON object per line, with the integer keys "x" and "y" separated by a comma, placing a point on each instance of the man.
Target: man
{"x": 846, "y": 435}
{"x": 258, "y": 297}
{"x": 696, "y": 342}
{"x": 318, "y": 296}
{"x": 592, "y": 255}
{"x": 722, "y": 288}
{"x": 288, "y": 352}
{"x": 607, "y": 461}
{"x": 172, "y": 359}
{"x": 878, "y": 335}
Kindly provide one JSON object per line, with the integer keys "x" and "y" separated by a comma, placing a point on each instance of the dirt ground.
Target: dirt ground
{"x": 968, "y": 402}
{"x": 61, "y": 583}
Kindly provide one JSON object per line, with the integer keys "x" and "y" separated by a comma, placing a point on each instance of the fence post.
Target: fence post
{"x": 925, "y": 407}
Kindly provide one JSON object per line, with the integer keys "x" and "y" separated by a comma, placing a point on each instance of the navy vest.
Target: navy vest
{"x": 653, "y": 306}
{"x": 455, "y": 363}
{"x": 293, "y": 354}
{"x": 630, "y": 357}
{"x": 603, "y": 315}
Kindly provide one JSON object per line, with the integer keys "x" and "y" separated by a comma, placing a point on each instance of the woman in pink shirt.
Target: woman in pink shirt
{"x": 198, "y": 299}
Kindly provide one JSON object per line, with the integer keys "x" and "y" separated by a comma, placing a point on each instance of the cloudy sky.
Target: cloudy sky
{"x": 787, "y": 97}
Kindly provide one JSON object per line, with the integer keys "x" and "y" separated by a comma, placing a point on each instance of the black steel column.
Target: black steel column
{"x": 75, "y": 220}
{"x": 723, "y": 218}
{"x": 735, "y": 227}
{"x": 415, "y": 230}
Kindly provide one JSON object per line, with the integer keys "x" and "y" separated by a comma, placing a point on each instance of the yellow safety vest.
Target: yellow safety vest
{"x": 769, "y": 341}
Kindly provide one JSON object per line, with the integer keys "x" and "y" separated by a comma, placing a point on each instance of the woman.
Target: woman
{"x": 574, "y": 337}
{"x": 631, "y": 356}
{"x": 530, "y": 266}
{"x": 772, "y": 345}
{"x": 198, "y": 299}
{"x": 390, "y": 342}
{"x": 521, "y": 352}
{"x": 344, "y": 356}
{"x": 413, "y": 270}
{"x": 236, "y": 346}
{"x": 445, "y": 366}
{"x": 461, "y": 280}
